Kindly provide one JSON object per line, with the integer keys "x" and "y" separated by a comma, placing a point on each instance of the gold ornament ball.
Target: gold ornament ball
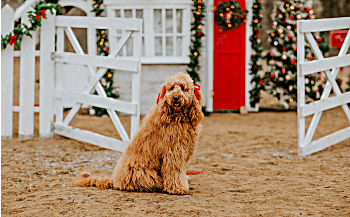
{"x": 259, "y": 40}
{"x": 221, "y": 14}
{"x": 280, "y": 31}
{"x": 274, "y": 27}
{"x": 298, "y": 16}
{"x": 229, "y": 25}
{"x": 288, "y": 77}
{"x": 227, "y": 9}
{"x": 290, "y": 100}
{"x": 195, "y": 54}
{"x": 284, "y": 57}
{"x": 292, "y": 7}
{"x": 232, "y": 6}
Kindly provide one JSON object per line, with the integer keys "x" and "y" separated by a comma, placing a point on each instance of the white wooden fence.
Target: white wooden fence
{"x": 331, "y": 67}
{"x": 27, "y": 54}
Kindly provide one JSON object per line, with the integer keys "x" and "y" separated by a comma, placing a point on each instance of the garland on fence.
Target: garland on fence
{"x": 103, "y": 50}
{"x": 255, "y": 56}
{"x": 15, "y": 37}
{"x": 196, "y": 39}
{"x": 229, "y": 15}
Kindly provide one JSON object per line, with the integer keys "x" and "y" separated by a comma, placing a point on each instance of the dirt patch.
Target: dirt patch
{"x": 250, "y": 168}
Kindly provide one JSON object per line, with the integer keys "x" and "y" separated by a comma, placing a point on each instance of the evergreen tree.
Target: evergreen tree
{"x": 281, "y": 76}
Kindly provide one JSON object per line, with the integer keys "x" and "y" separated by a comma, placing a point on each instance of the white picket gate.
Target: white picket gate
{"x": 27, "y": 54}
{"x": 331, "y": 67}
{"x": 58, "y": 95}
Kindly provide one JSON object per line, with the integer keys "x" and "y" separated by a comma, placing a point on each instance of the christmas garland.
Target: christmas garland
{"x": 196, "y": 39}
{"x": 256, "y": 80}
{"x": 103, "y": 50}
{"x": 15, "y": 37}
{"x": 229, "y": 15}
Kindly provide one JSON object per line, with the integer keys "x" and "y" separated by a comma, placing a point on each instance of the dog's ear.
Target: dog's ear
{"x": 161, "y": 93}
{"x": 196, "y": 114}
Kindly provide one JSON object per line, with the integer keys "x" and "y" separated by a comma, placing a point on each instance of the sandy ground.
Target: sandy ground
{"x": 250, "y": 168}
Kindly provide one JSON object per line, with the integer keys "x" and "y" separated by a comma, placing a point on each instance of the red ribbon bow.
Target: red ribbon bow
{"x": 162, "y": 95}
{"x": 38, "y": 14}
{"x": 13, "y": 39}
{"x": 196, "y": 88}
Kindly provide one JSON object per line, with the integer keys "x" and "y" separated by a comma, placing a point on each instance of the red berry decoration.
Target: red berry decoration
{"x": 298, "y": 7}
{"x": 319, "y": 39}
{"x": 271, "y": 54}
{"x": 272, "y": 75}
{"x": 295, "y": 48}
{"x": 308, "y": 9}
{"x": 289, "y": 36}
{"x": 292, "y": 62}
{"x": 310, "y": 58}
{"x": 253, "y": 55}
{"x": 291, "y": 16}
{"x": 261, "y": 82}
{"x": 199, "y": 33}
{"x": 284, "y": 49}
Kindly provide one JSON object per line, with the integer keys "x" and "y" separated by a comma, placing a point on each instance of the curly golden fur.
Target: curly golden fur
{"x": 156, "y": 158}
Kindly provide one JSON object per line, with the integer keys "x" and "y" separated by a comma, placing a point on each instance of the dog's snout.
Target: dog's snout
{"x": 176, "y": 98}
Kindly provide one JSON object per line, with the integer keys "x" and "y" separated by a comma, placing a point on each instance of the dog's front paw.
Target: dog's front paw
{"x": 178, "y": 190}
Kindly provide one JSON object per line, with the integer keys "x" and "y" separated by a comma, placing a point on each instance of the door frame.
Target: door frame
{"x": 210, "y": 61}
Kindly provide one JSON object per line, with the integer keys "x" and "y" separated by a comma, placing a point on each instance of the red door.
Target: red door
{"x": 229, "y": 66}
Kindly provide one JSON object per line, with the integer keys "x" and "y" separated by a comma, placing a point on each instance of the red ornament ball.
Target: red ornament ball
{"x": 271, "y": 54}
{"x": 295, "y": 48}
{"x": 291, "y": 16}
{"x": 199, "y": 33}
{"x": 289, "y": 36}
{"x": 298, "y": 7}
{"x": 292, "y": 62}
{"x": 272, "y": 75}
{"x": 310, "y": 58}
{"x": 261, "y": 82}
{"x": 253, "y": 55}
{"x": 284, "y": 49}
{"x": 308, "y": 9}
{"x": 319, "y": 39}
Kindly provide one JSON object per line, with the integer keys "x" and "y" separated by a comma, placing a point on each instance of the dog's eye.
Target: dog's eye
{"x": 172, "y": 88}
{"x": 182, "y": 87}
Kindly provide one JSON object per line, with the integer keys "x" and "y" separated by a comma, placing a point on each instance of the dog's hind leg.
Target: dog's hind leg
{"x": 141, "y": 179}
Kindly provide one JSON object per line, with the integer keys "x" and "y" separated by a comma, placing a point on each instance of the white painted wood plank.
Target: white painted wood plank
{"x": 27, "y": 83}
{"x": 125, "y": 64}
{"x": 210, "y": 52}
{"x": 325, "y": 142}
{"x": 111, "y": 32}
{"x": 90, "y": 137}
{"x": 99, "y": 22}
{"x": 16, "y": 109}
{"x": 108, "y": 103}
{"x": 163, "y": 33}
{"x": 7, "y": 14}
{"x": 325, "y": 64}
{"x": 325, "y": 104}
{"x": 47, "y": 77}
{"x": 300, "y": 84}
{"x": 165, "y": 60}
{"x": 329, "y": 24}
{"x": 59, "y": 75}
{"x": 18, "y": 53}
{"x": 136, "y": 84}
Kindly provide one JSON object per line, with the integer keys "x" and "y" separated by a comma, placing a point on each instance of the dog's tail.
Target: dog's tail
{"x": 84, "y": 179}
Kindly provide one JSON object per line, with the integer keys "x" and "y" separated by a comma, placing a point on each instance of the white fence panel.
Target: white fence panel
{"x": 305, "y": 144}
{"x": 7, "y": 14}
{"x": 47, "y": 77}
{"x": 27, "y": 82}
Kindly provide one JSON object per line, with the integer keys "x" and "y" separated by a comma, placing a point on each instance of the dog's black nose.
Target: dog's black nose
{"x": 176, "y": 98}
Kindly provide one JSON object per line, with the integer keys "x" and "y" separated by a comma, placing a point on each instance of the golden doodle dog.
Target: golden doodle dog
{"x": 155, "y": 159}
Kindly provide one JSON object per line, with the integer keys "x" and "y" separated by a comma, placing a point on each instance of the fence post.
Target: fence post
{"x": 47, "y": 76}
{"x": 27, "y": 82}
{"x": 6, "y": 75}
